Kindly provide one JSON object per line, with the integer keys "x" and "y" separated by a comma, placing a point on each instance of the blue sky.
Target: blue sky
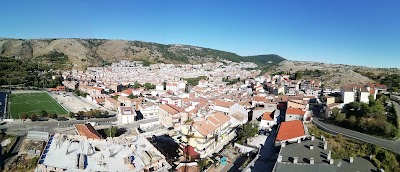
{"x": 360, "y": 32}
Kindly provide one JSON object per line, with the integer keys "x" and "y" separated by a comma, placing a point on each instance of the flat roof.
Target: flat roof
{"x": 102, "y": 154}
{"x": 304, "y": 153}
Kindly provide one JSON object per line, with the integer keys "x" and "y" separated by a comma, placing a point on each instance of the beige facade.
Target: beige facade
{"x": 207, "y": 135}
{"x": 172, "y": 116}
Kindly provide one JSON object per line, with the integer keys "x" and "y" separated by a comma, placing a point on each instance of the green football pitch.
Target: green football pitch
{"x": 34, "y": 103}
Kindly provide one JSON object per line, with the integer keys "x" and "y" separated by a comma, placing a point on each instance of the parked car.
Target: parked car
{"x": 62, "y": 119}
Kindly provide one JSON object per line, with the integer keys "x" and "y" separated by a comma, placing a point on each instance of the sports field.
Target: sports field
{"x": 34, "y": 103}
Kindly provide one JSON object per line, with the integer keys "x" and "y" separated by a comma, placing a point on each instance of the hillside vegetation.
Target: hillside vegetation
{"x": 332, "y": 75}
{"x": 82, "y": 53}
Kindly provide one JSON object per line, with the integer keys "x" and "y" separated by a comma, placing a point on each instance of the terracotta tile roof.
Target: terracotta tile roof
{"x": 171, "y": 109}
{"x": 189, "y": 150}
{"x": 211, "y": 123}
{"x": 128, "y": 92}
{"x": 294, "y": 111}
{"x": 188, "y": 168}
{"x": 301, "y": 102}
{"x": 87, "y": 130}
{"x": 267, "y": 116}
{"x": 290, "y": 129}
{"x": 111, "y": 100}
{"x": 259, "y": 98}
{"x": 223, "y": 103}
{"x": 100, "y": 100}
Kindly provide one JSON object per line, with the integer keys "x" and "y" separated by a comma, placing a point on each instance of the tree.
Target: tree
{"x": 136, "y": 85}
{"x": 247, "y": 131}
{"x": 71, "y": 114}
{"x": 340, "y": 117}
{"x": 24, "y": 115}
{"x": 131, "y": 96}
{"x": 112, "y": 131}
{"x": 44, "y": 113}
{"x": 352, "y": 120}
{"x": 34, "y": 117}
{"x": 202, "y": 164}
{"x": 149, "y": 86}
{"x": 335, "y": 112}
{"x": 114, "y": 97}
{"x": 53, "y": 116}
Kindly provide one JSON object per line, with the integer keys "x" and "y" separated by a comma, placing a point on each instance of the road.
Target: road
{"x": 267, "y": 158}
{"x": 388, "y": 144}
{"x": 21, "y": 128}
{"x": 397, "y": 107}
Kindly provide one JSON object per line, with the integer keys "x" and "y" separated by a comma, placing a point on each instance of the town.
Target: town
{"x": 223, "y": 116}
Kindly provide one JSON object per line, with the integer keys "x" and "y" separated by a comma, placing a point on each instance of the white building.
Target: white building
{"x": 354, "y": 93}
{"x": 126, "y": 115}
{"x": 267, "y": 121}
{"x": 149, "y": 110}
{"x": 78, "y": 153}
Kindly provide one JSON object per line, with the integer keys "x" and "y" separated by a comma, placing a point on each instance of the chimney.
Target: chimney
{"x": 312, "y": 137}
{"x": 279, "y": 158}
{"x": 295, "y": 160}
{"x": 311, "y": 147}
{"x": 322, "y": 138}
{"x": 351, "y": 159}
{"x": 329, "y": 155}
{"x": 331, "y": 161}
{"x": 325, "y": 145}
{"x": 311, "y": 160}
{"x": 283, "y": 144}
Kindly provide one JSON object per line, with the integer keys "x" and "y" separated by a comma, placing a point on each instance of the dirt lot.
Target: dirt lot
{"x": 72, "y": 103}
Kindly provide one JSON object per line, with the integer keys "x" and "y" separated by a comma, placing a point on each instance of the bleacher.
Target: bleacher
{"x": 3, "y": 103}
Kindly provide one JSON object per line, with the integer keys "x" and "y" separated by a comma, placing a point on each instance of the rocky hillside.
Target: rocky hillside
{"x": 82, "y": 53}
{"x": 332, "y": 75}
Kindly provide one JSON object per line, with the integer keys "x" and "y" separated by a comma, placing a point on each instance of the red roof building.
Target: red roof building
{"x": 87, "y": 130}
{"x": 191, "y": 153}
{"x": 290, "y": 131}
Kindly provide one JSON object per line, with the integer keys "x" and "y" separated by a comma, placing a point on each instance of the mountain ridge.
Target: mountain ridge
{"x": 83, "y": 53}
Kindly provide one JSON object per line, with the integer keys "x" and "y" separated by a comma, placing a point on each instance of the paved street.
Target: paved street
{"x": 388, "y": 144}
{"x": 51, "y": 126}
{"x": 397, "y": 107}
{"x": 267, "y": 158}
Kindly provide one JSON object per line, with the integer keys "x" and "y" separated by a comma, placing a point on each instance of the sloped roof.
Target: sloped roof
{"x": 190, "y": 151}
{"x": 267, "y": 116}
{"x": 294, "y": 111}
{"x": 223, "y": 103}
{"x": 290, "y": 129}
{"x": 211, "y": 123}
{"x": 172, "y": 109}
{"x": 87, "y": 130}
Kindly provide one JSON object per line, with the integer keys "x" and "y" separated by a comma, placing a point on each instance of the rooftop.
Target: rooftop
{"x": 294, "y": 111}
{"x": 304, "y": 153}
{"x": 87, "y": 130}
{"x": 211, "y": 123}
{"x": 117, "y": 154}
{"x": 290, "y": 129}
{"x": 267, "y": 116}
